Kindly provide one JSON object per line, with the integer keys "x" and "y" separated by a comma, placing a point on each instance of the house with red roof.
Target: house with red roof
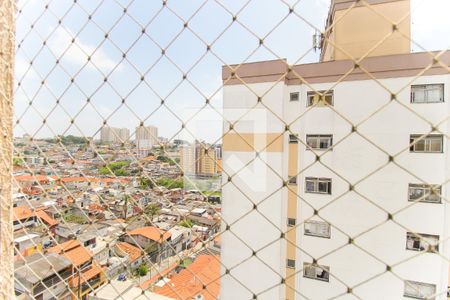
{"x": 155, "y": 241}
{"x": 199, "y": 280}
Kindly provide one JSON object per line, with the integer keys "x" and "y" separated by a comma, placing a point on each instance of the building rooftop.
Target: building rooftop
{"x": 190, "y": 282}
{"x": 152, "y": 233}
{"x": 133, "y": 252}
{"x": 73, "y": 251}
{"x": 22, "y": 212}
{"x": 37, "y": 266}
{"x": 388, "y": 66}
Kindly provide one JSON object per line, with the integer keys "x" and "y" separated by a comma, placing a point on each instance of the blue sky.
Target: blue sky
{"x": 209, "y": 22}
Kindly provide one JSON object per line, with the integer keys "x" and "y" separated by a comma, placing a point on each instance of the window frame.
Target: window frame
{"x": 319, "y": 137}
{"x": 296, "y": 94}
{"x": 317, "y": 234}
{"x": 426, "y": 140}
{"x": 290, "y": 224}
{"x": 290, "y": 263}
{"x": 293, "y": 139}
{"x": 425, "y": 97}
{"x": 292, "y": 180}
{"x": 325, "y": 93}
{"x": 426, "y": 190}
{"x": 413, "y": 284}
{"x": 307, "y": 266}
{"x": 317, "y": 181}
{"x": 422, "y": 239}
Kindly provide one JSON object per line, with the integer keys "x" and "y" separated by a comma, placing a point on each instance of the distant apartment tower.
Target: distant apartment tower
{"x": 340, "y": 202}
{"x": 146, "y": 137}
{"x": 199, "y": 159}
{"x": 114, "y": 135}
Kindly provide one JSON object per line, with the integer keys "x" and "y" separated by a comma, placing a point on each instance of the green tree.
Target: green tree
{"x": 152, "y": 210}
{"x": 186, "y": 223}
{"x": 72, "y": 218}
{"x": 115, "y": 168}
{"x": 143, "y": 270}
{"x": 18, "y": 161}
{"x": 145, "y": 183}
{"x": 171, "y": 183}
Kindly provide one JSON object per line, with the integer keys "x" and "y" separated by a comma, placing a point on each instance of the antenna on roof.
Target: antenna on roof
{"x": 317, "y": 41}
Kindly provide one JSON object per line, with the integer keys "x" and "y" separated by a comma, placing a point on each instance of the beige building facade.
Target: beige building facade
{"x": 114, "y": 135}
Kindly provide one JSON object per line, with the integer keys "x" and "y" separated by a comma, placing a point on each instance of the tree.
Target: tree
{"x": 115, "y": 168}
{"x": 170, "y": 183}
{"x": 18, "y": 161}
{"x": 186, "y": 223}
{"x": 143, "y": 270}
{"x": 145, "y": 183}
{"x": 152, "y": 210}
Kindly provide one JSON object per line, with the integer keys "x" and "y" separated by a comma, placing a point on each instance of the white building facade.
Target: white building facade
{"x": 356, "y": 189}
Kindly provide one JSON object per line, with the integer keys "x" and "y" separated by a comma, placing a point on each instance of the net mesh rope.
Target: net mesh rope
{"x": 55, "y": 64}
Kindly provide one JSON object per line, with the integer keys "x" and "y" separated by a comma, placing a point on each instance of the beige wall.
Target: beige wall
{"x": 291, "y": 235}
{"x": 249, "y": 142}
{"x": 361, "y": 30}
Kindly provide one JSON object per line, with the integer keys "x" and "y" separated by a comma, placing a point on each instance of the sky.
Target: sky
{"x": 73, "y": 73}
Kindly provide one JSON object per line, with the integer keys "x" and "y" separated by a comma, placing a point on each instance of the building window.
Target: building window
{"x": 427, "y": 93}
{"x": 320, "y": 98}
{"x": 291, "y": 222}
{"x": 317, "y": 228}
{"x": 293, "y": 180}
{"x": 294, "y": 96}
{"x": 291, "y": 263}
{"x": 293, "y": 139}
{"x": 315, "y": 271}
{"x": 422, "y": 242}
{"x": 319, "y": 142}
{"x": 419, "y": 290}
{"x": 424, "y": 193}
{"x": 427, "y": 144}
{"x": 318, "y": 185}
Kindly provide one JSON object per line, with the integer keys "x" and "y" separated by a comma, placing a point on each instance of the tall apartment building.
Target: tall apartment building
{"x": 114, "y": 135}
{"x": 343, "y": 199}
{"x": 146, "y": 137}
{"x": 200, "y": 159}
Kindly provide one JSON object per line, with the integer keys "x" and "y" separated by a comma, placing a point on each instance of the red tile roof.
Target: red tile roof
{"x": 42, "y": 215}
{"x": 73, "y": 251}
{"x": 205, "y": 270}
{"x": 131, "y": 250}
{"x": 152, "y": 233}
{"x": 37, "y": 178}
{"x": 87, "y": 275}
{"x": 22, "y": 212}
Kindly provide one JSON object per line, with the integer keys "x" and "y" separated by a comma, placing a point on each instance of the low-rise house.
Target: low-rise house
{"x": 100, "y": 251}
{"x": 134, "y": 254}
{"x": 67, "y": 231}
{"x": 27, "y": 244}
{"x": 155, "y": 241}
{"x": 46, "y": 220}
{"x": 181, "y": 238}
{"x": 23, "y": 217}
{"x": 42, "y": 277}
{"x": 200, "y": 280}
{"x": 86, "y": 282}
{"x": 82, "y": 265}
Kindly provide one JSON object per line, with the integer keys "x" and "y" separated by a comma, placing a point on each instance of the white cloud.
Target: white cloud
{"x": 77, "y": 53}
